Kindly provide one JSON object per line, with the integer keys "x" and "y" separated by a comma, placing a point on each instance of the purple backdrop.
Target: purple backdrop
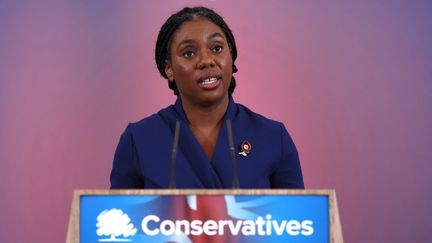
{"x": 350, "y": 80}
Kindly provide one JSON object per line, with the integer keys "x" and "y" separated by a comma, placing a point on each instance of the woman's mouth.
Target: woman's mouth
{"x": 210, "y": 83}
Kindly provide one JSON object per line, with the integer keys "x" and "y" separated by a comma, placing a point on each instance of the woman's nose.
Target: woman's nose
{"x": 206, "y": 59}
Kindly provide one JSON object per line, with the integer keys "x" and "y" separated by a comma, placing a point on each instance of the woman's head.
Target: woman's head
{"x": 164, "y": 49}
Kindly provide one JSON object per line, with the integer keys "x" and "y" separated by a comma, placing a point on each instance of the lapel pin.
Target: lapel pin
{"x": 245, "y": 148}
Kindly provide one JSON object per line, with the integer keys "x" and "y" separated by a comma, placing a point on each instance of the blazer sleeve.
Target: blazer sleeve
{"x": 125, "y": 173}
{"x": 288, "y": 173}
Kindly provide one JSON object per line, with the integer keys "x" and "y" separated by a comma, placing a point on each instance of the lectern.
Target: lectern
{"x": 239, "y": 215}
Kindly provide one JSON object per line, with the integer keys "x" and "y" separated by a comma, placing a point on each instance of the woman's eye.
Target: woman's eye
{"x": 217, "y": 49}
{"x": 188, "y": 54}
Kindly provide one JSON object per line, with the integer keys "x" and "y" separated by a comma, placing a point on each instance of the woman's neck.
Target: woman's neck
{"x": 205, "y": 123}
{"x": 205, "y": 117}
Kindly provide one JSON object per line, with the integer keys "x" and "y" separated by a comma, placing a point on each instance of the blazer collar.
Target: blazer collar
{"x": 229, "y": 114}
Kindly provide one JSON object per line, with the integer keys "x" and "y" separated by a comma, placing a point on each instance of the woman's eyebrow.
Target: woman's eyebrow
{"x": 185, "y": 42}
{"x": 191, "y": 41}
{"x": 216, "y": 34}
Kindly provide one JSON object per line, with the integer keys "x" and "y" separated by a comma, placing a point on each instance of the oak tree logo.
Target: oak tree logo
{"x": 114, "y": 224}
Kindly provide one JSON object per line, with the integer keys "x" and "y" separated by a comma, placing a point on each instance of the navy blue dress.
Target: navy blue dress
{"x": 143, "y": 155}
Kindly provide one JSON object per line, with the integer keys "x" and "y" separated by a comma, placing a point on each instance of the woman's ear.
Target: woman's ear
{"x": 168, "y": 70}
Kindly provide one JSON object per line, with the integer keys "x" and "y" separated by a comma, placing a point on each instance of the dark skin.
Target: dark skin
{"x": 201, "y": 65}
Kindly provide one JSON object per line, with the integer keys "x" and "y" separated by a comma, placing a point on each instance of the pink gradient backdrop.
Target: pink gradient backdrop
{"x": 352, "y": 81}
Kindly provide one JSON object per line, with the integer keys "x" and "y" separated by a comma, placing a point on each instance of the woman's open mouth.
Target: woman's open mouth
{"x": 210, "y": 82}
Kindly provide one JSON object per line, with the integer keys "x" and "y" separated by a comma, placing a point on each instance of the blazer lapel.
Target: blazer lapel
{"x": 193, "y": 152}
{"x": 221, "y": 160}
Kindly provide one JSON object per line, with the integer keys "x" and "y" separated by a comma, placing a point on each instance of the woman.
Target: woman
{"x": 196, "y": 51}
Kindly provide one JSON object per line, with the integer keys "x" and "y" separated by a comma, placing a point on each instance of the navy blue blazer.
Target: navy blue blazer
{"x": 143, "y": 156}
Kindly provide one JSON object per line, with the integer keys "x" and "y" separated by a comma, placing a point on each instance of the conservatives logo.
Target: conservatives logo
{"x": 114, "y": 224}
{"x": 260, "y": 226}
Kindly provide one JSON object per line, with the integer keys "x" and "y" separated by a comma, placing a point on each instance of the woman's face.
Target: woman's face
{"x": 200, "y": 62}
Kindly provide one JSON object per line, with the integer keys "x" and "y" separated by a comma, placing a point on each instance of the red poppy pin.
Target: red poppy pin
{"x": 245, "y": 148}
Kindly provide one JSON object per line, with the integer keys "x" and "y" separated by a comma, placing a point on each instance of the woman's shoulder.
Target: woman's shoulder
{"x": 255, "y": 119}
{"x": 153, "y": 122}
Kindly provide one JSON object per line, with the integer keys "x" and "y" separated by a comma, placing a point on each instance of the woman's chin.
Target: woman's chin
{"x": 213, "y": 98}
